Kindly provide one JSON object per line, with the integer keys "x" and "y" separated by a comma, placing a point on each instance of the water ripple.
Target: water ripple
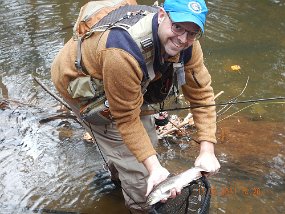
{"x": 223, "y": 20}
{"x": 34, "y": 34}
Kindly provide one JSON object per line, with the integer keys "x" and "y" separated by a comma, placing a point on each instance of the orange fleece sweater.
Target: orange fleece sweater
{"x": 122, "y": 76}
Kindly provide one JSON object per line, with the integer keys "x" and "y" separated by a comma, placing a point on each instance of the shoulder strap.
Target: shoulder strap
{"x": 141, "y": 33}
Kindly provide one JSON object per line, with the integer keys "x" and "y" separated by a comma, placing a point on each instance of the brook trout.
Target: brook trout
{"x": 162, "y": 190}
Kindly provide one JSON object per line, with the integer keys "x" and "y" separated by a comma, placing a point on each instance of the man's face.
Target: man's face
{"x": 172, "y": 42}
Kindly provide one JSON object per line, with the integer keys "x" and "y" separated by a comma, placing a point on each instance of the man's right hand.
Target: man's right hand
{"x": 157, "y": 173}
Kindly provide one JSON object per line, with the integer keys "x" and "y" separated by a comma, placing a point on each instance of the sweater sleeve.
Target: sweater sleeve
{"x": 198, "y": 91}
{"x": 122, "y": 78}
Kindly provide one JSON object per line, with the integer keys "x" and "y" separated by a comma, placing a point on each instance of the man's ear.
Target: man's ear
{"x": 161, "y": 15}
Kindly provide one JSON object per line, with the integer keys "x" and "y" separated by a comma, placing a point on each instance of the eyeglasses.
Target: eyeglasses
{"x": 179, "y": 31}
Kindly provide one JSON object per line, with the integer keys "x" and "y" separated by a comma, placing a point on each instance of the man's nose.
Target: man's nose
{"x": 183, "y": 38}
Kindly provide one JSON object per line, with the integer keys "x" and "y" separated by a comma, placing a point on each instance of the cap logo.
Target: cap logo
{"x": 195, "y": 7}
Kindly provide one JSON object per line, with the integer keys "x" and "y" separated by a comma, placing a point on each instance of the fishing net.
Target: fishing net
{"x": 195, "y": 198}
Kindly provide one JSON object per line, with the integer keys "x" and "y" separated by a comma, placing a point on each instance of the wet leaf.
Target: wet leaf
{"x": 235, "y": 68}
{"x": 258, "y": 109}
{"x": 3, "y": 103}
{"x": 87, "y": 137}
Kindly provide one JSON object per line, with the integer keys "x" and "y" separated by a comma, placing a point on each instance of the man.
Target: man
{"x": 115, "y": 58}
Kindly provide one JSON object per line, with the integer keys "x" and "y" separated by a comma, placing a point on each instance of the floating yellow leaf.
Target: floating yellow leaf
{"x": 235, "y": 67}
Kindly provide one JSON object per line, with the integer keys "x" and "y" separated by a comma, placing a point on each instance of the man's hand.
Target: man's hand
{"x": 207, "y": 159}
{"x": 157, "y": 173}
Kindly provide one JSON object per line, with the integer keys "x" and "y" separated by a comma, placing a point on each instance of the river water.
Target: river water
{"x": 47, "y": 167}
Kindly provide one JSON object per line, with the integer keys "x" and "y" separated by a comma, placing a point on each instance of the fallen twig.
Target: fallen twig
{"x": 59, "y": 116}
{"x": 52, "y": 94}
{"x": 227, "y": 107}
{"x": 188, "y": 120}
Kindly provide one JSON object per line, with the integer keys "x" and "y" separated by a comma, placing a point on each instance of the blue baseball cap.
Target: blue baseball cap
{"x": 187, "y": 11}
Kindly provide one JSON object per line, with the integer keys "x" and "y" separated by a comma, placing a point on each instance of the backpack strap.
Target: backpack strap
{"x": 92, "y": 12}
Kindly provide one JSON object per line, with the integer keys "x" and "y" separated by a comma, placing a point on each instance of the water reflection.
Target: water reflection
{"x": 47, "y": 166}
{"x": 251, "y": 176}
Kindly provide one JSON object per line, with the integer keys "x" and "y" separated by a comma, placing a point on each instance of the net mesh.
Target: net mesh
{"x": 195, "y": 198}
